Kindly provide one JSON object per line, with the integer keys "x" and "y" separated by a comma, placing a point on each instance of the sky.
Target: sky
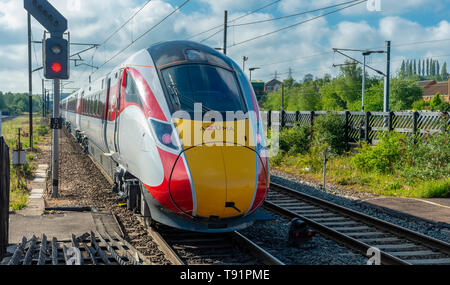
{"x": 416, "y": 29}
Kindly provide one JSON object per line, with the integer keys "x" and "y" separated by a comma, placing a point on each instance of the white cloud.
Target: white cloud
{"x": 280, "y": 51}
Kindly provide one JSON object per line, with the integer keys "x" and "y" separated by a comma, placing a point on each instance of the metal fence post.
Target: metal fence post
{"x": 391, "y": 121}
{"x": 297, "y": 117}
{"x": 367, "y": 127}
{"x": 346, "y": 129}
{"x": 312, "y": 119}
{"x": 269, "y": 118}
{"x": 282, "y": 118}
{"x": 4, "y": 197}
{"x": 415, "y": 117}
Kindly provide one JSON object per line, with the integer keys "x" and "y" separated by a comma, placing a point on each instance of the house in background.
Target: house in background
{"x": 272, "y": 85}
{"x": 431, "y": 87}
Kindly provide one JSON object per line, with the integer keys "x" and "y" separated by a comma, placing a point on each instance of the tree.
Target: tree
{"x": 419, "y": 69}
{"x": 435, "y": 101}
{"x": 308, "y": 77}
{"x": 403, "y": 93}
{"x": 309, "y": 98}
{"x": 444, "y": 74}
{"x": 288, "y": 83}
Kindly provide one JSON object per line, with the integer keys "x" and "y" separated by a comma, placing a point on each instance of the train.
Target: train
{"x": 177, "y": 128}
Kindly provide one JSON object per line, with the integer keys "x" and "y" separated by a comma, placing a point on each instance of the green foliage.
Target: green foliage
{"x": 329, "y": 133}
{"x": 426, "y": 158}
{"x": 42, "y": 130}
{"x": 435, "y": 101}
{"x": 18, "y": 103}
{"x": 296, "y": 140}
{"x": 381, "y": 157}
{"x": 421, "y": 105}
{"x": 404, "y": 92}
{"x": 435, "y": 189}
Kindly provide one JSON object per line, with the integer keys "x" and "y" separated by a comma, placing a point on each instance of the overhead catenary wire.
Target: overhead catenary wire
{"x": 114, "y": 33}
{"x": 233, "y": 20}
{"x": 275, "y": 19}
{"x": 143, "y": 34}
{"x": 293, "y": 15}
{"x": 297, "y": 24}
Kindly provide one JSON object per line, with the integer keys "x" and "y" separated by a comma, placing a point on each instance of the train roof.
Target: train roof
{"x": 187, "y": 51}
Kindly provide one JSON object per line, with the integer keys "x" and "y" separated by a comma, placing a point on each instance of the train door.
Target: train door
{"x": 122, "y": 82}
{"x": 106, "y": 114}
{"x": 111, "y": 124}
{"x": 80, "y": 110}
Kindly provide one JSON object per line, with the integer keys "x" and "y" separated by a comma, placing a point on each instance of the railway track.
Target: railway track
{"x": 94, "y": 249}
{"x": 396, "y": 245}
{"x": 191, "y": 248}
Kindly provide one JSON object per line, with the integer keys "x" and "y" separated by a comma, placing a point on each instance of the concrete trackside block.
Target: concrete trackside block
{"x": 36, "y": 204}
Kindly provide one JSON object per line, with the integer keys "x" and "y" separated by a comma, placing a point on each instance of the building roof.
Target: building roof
{"x": 432, "y": 89}
{"x": 424, "y": 83}
{"x": 273, "y": 82}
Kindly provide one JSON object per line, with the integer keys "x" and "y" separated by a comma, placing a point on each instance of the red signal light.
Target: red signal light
{"x": 56, "y": 67}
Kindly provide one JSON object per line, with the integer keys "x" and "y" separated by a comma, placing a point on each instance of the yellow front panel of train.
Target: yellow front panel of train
{"x": 222, "y": 165}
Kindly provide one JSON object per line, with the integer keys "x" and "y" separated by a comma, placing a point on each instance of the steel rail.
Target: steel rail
{"x": 386, "y": 258}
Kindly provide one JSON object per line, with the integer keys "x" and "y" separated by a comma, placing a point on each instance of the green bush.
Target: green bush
{"x": 296, "y": 140}
{"x": 42, "y": 130}
{"x": 427, "y": 157}
{"x": 382, "y": 157}
{"x": 435, "y": 189}
{"x": 329, "y": 132}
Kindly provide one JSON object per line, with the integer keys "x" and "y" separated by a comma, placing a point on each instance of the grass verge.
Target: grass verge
{"x": 19, "y": 191}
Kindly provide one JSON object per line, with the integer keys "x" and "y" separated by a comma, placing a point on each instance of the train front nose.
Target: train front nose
{"x": 225, "y": 177}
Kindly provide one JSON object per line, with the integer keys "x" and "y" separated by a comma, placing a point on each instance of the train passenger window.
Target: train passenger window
{"x": 131, "y": 91}
{"x": 214, "y": 87}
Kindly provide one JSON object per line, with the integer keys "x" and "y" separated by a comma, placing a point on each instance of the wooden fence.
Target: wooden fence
{"x": 4, "y": 196}
{"x": 367, "y": 126}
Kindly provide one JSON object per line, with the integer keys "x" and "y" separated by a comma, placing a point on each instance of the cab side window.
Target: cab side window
{"x": 131, "y": 91}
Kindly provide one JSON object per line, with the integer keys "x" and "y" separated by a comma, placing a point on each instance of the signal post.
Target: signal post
{"x": 56, "y": 67}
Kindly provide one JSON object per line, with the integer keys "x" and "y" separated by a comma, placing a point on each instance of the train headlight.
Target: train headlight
{"x": 165, "y": 134}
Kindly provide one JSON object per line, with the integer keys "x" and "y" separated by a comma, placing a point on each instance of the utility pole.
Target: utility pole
{"x": 30, "y": 82}
{"x": 43, "y": 97}
{"x": 387, "y": 78}
{"x": 55, "y": 139}
{"x": 225, "y": 28}
{"x": 364, "y": 80}
{"x": 244, "y": 59}
{"x": 364, "y": 53}
{"x": 252, "y": 69}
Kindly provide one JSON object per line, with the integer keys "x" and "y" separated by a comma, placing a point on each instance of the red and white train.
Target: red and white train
{"x": 129, "y": 120}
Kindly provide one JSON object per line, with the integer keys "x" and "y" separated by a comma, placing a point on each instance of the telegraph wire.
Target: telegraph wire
{"x": 126, "y": 22}
{"x": 293, "y": 15}
{"x": 296, "y": 24}
{"x": 234, "y": 20}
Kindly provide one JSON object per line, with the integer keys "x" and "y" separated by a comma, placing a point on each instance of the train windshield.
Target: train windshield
{"x": 214, "y": 87}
